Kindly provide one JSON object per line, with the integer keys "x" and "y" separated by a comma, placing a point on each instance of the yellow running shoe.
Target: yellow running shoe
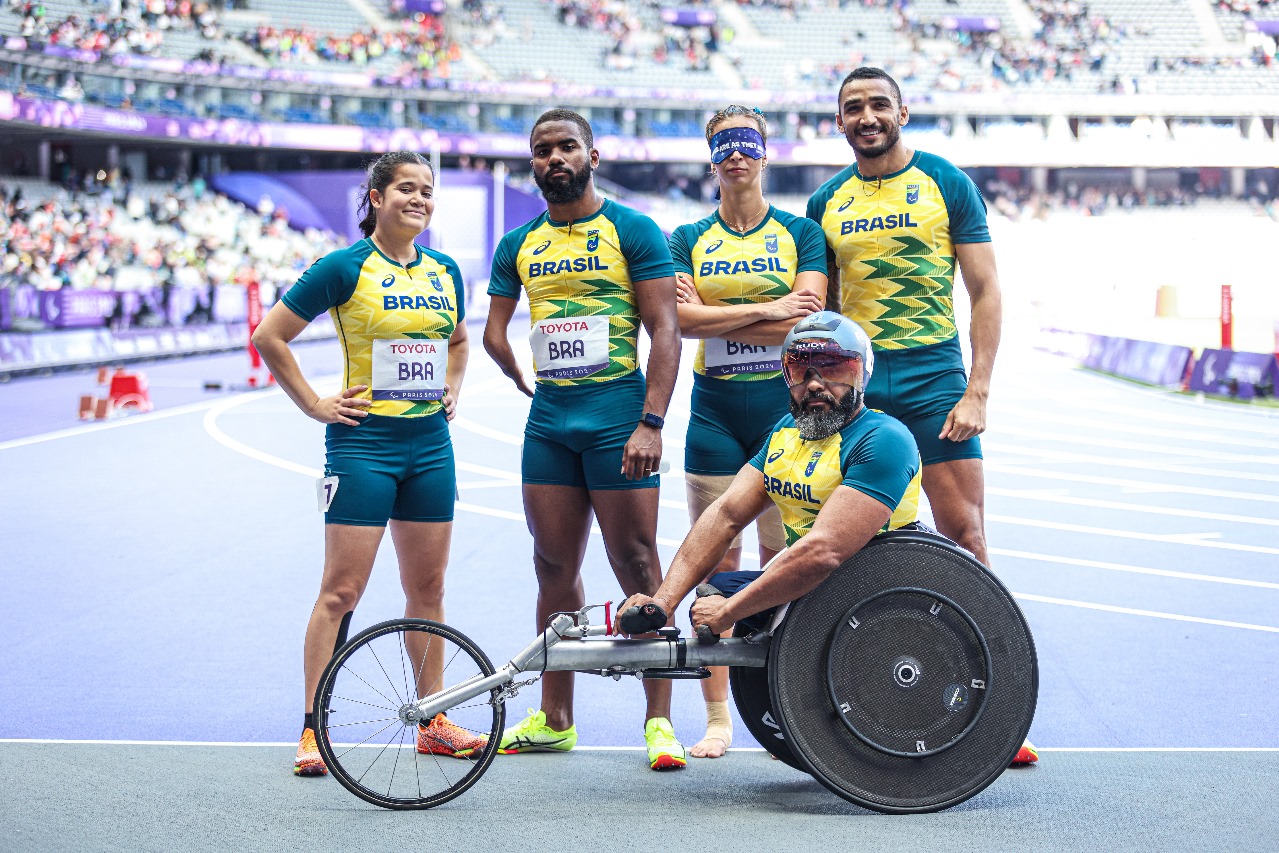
{"x": 532, "y": 734}
{"x": 308, "y": 761}
{"x": 664, "y": 751}
{"x": 1026, "y": 755}
{"x": 441, "y": 737}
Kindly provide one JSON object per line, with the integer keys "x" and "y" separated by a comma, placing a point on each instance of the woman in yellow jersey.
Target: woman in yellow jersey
{"x": 745, "y": 275}
{"x": 398, "y": 308}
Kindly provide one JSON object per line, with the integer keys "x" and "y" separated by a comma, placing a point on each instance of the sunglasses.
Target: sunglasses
{"x": 827, "y": 360}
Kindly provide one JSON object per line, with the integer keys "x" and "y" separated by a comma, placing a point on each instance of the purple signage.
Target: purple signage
{"x": 20, "y": 351}
{"x": 76, "y": 309}
{"x": 971, "y": 24}
{"x": 1236, "y": 374}
{"x": 426, "y": 7}
{"x": 1145, "y": 361}
{"x": 689, "y": 17}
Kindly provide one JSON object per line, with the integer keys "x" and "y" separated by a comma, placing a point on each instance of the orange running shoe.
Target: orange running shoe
{"x": 308, "y": 761}
{"x": 441, "y": 737}
{"x": 1026, "y": 755}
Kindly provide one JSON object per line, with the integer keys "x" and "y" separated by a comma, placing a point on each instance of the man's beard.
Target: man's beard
{"x": 561, "y": 192}
{"x": 823, "y": 423}
{"x": 892, "y": 135}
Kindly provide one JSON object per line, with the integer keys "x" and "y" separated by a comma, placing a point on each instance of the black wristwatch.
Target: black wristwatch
{"x": 655, "y": 421}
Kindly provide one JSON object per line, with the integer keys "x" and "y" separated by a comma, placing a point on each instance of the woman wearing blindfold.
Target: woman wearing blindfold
{"x": 744, "y": 276}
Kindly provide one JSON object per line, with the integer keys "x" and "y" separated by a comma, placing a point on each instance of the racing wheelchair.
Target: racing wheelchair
{"x": 904, "y": 683}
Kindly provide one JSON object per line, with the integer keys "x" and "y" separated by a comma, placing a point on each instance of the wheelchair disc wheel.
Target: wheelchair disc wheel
{"x": 749, "y": 685}
{"x": 906, "y": 681}
{"x": 359, "y": 714}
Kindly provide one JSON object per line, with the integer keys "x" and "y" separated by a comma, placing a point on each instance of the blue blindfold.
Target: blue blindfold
{"x": 746, "y": 140}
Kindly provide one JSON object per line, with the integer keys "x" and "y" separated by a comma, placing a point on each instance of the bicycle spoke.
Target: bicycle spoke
{"x": 426, "y": 652}
{"x": 378, "y": 756}
{"x": 373, "y": 652}
{"x": 417, "y": 772}
{"x": 391, "y": 781}
{"x": 366, "y": 684}
{"x": 408, "y": 696}
{"x": 362, "y": 722}
{"x": 366, "y": 740}
{"x": 369, "y": 704}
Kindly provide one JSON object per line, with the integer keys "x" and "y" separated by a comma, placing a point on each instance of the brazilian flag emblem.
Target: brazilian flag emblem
{"x": 912, "y": 193}
{"x": 812, "y": 463}
{"x": 592, "y": 240}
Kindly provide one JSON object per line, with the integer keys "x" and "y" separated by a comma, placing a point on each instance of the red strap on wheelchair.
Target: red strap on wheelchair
{"x": 608, "y": 618}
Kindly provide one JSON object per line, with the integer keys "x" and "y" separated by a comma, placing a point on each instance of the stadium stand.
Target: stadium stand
{"x": 111, "y": 234}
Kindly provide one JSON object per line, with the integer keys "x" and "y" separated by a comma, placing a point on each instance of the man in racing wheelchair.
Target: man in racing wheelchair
{"x": 838, "y": 472}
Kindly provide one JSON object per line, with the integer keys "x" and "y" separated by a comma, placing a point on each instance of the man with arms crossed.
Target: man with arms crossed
{"x": 897, "y": 222}
{"x": 838, "y": 472}
{"x": 594, "y": 270}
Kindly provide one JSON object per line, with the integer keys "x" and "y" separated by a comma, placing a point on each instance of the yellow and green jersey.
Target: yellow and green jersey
{"x": 738, "y": 269}
{"x": 580, "y": 277}
{"x": 393, "y": 321}
{"x": 875, "y": 454}
{"x": 893, "y": 238}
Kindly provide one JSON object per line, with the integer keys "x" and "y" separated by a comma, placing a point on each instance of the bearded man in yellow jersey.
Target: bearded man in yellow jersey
{"x": 594, "y": 271}
{"x": 897, "y": 223}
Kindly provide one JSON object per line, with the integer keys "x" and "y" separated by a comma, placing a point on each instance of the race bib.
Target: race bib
{"x": 409, "y": 369}
{"x": 569, "y": 348}
{"x": 326, "y": 489}
{"x": 726, "y": 358}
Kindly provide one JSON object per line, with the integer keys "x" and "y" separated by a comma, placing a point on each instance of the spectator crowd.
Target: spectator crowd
{"x": 118, "y": 237}
{"x": 123, "y": 26}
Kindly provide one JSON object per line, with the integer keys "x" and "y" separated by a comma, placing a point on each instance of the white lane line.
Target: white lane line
{"x": 1153, "y": 748}
{"x": 1040, "y": 495}
{"x": 1171, "y": 538}
{"x": 488, "y": 432}
{"x": 1121, "y": 567}
{"x": 1120, "y": 462}
{"x": 1230, "y": 420}
{"x": 1099, "y": 426}
{"x": 1133, "y": 486}
{"x": 1130, "y": 611}
{"x": 215, "y": 432}
{"x": 496, "y": 473}
{"x": 127, "y": 420}
{"x": 1093, "y": 440}
{"x": 485, "y": 484}
{"x": 293, "y": 744}
{"x": 496, "y": 513}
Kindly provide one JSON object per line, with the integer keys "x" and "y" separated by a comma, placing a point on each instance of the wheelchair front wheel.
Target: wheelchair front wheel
{"x": 360, "y": 707}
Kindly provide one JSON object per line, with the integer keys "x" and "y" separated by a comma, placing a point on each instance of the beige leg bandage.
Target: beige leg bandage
{"x": 719, "y": 723}
{"x": 703, "y": 490}
{"x": 772, "y": 535}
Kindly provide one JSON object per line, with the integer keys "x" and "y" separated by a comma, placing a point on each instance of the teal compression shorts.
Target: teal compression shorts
{"x": 919, "y": 387}
{"x": 730, "y": 421}
{"x": 576, "y": 434}
{"x": 391, "y": 468}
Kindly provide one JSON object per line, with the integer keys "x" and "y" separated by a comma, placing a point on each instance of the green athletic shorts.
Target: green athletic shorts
{"x": 919, "y": 387}
{"x": 391, "y": 467}
{"x": 575, "y": 434}
{"x": 730, "y": 421}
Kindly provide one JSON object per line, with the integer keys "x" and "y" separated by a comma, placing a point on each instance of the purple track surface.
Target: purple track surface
{"x": 159, "y": 569}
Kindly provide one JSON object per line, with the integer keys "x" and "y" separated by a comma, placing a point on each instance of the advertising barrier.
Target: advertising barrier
{"x": 1145, "y": 361}
{"x": 1237, "y": 374}
{"x": 22, "y": 352}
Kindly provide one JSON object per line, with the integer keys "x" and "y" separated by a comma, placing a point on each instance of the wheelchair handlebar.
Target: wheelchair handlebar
{"x": 642, "y": 619}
